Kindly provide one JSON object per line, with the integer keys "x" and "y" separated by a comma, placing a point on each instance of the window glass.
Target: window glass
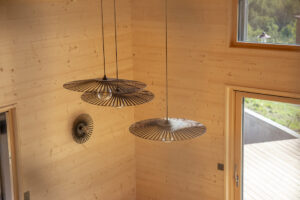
{"x": 269, "y": 21}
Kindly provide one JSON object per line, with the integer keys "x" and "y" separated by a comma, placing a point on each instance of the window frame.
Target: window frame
{"x": 235, "y": 40}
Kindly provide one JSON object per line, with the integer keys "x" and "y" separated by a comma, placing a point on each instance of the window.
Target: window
{"x": 267, "y": 23}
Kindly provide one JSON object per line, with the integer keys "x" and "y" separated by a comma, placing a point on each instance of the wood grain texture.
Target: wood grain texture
{"x": 201, "y": 64}
{"x": 44, "y": 44}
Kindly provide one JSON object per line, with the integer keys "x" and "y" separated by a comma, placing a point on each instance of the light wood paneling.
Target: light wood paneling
{"x": 46, "y": 43}
{"x": 201, "y": 64}
{"x": 42, "y": 45}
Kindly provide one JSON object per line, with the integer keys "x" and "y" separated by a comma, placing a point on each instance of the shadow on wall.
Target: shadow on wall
{"x": 258, "y": 128}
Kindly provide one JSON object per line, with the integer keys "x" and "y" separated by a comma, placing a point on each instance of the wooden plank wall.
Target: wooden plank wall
{"x": 44, "y": 44}
{"x": 201, "y": 64}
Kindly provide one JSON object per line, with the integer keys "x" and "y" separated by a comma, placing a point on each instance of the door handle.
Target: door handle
{"x": 236, "y": 176}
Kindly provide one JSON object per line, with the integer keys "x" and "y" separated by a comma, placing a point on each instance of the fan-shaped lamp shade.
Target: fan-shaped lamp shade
{"x": 173, "y": 129}
{"x": 118, "y": 99}
{"x": 105, "y": 85}
{"x": 82, "y": 128}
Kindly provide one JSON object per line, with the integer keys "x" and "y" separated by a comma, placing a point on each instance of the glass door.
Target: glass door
{"x": 267, "y": 142}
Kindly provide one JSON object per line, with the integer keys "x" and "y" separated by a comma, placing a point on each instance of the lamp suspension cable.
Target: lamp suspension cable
{"x": 167, "y": 87}
{"x": 103, "y": 40}
{"x": 116, "y": 40}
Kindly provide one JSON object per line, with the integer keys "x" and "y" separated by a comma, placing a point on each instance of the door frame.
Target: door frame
{"x": 14, "y": 149}
{"x": 233, "y": 130}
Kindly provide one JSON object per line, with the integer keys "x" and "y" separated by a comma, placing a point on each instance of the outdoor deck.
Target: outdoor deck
{"x": 272, "y": 170}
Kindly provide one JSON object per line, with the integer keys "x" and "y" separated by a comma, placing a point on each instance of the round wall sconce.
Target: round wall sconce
{"x": 82, "y": 128}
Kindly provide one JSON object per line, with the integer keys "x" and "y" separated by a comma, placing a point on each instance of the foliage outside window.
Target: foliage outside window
{"x": 269, "y": 21}
{"x": 285, "y": 114}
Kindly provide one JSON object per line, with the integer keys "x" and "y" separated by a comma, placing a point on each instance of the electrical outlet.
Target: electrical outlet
{"x": 221, "y": 166}
{"x": 27, "y": 195}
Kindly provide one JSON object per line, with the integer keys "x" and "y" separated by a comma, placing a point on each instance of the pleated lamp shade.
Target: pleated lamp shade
{"x": 173, "y": 129}
{"x": 118, "y": 99}
{"x": 105, "y": 85}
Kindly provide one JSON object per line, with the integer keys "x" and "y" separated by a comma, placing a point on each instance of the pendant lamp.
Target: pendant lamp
{"x": 167, "y": 129}
{"x": 130, "y": 94}
{"x": 103, "y": 89}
